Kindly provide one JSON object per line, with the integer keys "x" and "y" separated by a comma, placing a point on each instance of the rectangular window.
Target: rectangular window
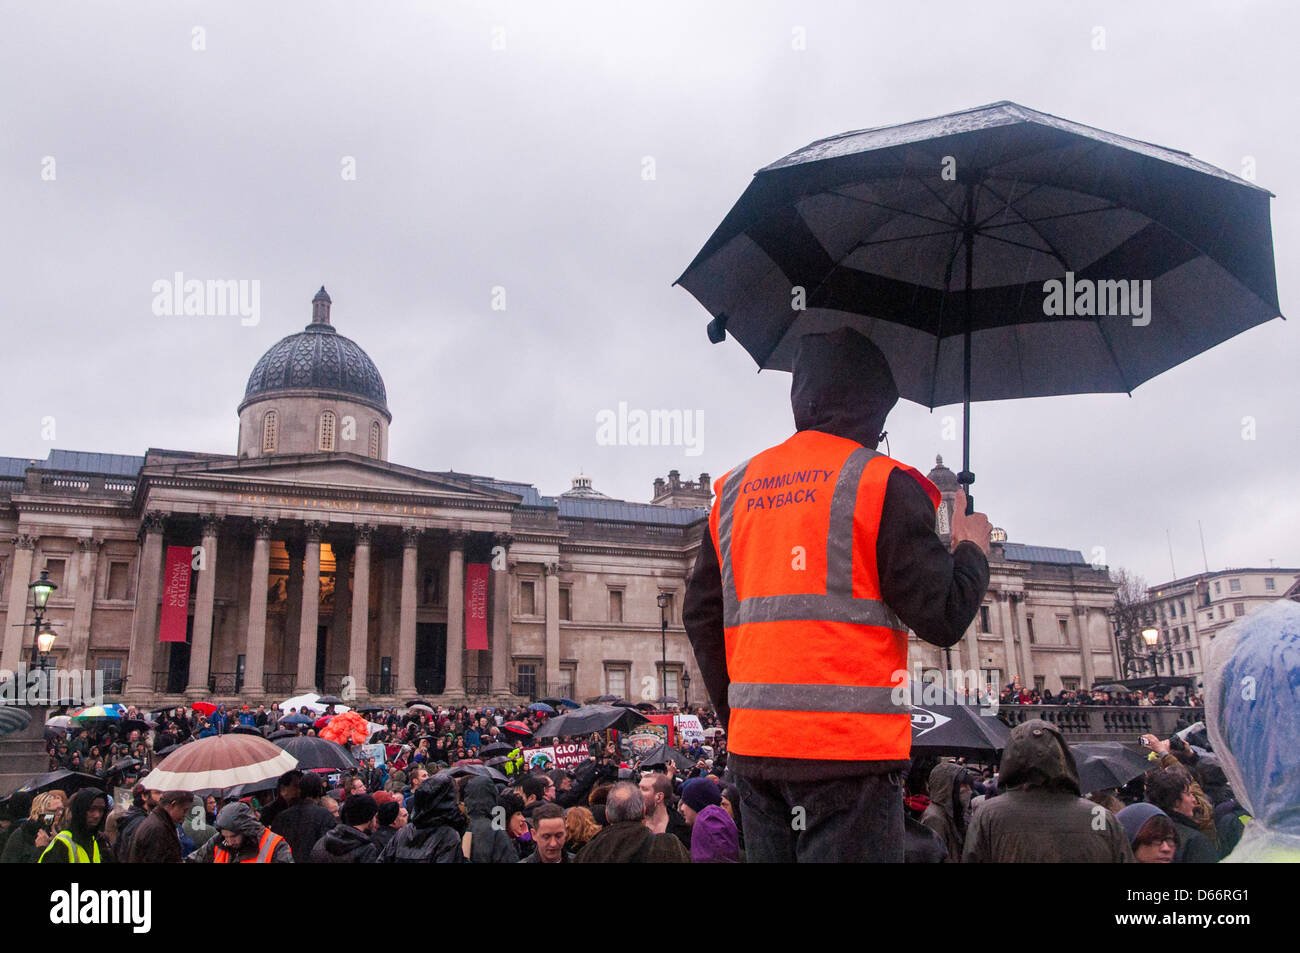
{"x": 1268, "y": 584}
{"x": 527, "y": 598}
{"x": 1182, "y": 607}
{"x": 566, "y": 605}
{"x": 568, "y": 679}
{"x": 1234, "y": 585}
{"x": 1064, "y": 626}
{"x": 672, "y": 681}
{"x": 669, "y": 608}
{"x": 55, "y": 568}
{"x": 1221, "y": 615}
{"x": 117, "y": 580}
{"x": 112, "y": 669}
{"x": 1029, "y": 625}
{"x": 526, "y": 679}
{"x": 992, "y": 679}
{"x": 616, "y": 680}
{"x": 1218, "y": 588}
{"x": 615, "y": 606}
{"x": 1238, "y": 609}
{"x": 1040, "y": 682}
{"x": 984, "y": 619}
{"x": 1069, "y": 684}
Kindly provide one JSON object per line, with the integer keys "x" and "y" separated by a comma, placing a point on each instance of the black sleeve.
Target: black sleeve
{"x": 935, "y": 593}
{"x": 702, "y": 616}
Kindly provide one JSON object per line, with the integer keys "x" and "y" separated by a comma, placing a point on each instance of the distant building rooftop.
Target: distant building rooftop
{"x": 75, "y": 461}
{"x": 1043, "y": 554}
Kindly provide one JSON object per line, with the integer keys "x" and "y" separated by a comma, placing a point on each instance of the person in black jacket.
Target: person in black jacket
{"x": 842, "y": 385}
{"x": 155, "y": 840}
{"x": 305, "y": 822}
{"x": 349, "y": 841}
{"x": 486, "y": 839}
{"x": 1170, "y": 789}
{"x": 433, "y": 834}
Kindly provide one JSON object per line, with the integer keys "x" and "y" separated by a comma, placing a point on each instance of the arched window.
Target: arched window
{"x": 327, "y": 430}
{"x": 374, "y": 438}
{"x": 270, "y": 431}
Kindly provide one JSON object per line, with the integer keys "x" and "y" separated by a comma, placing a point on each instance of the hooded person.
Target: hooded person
{"x": 788, "y": 498}
{"x": 1039, "y": 815}
{"x": 1252, "y": 712}
{"x": 390, "y": 809}
{"x": 714, "y": 836}
{"x": 486, "y": 840}
{"x": 241, "y": 839}
{"x": 349, "y": 841}
{"x": 433, "y": 834}
{"x": 81, "y": 841}
{"x": 950, "y": 796}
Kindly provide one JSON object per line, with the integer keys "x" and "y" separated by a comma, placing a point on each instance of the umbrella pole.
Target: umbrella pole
{"x": 966, "y": 478}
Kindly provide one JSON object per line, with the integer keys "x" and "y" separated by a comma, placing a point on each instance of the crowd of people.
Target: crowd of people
{"x": 1016, "y": 694}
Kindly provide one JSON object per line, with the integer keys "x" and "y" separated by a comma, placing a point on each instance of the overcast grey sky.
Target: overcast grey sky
{"x": 522, "y": 168}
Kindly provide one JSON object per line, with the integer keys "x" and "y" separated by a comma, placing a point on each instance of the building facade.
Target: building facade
{"x": 321, "y": 565}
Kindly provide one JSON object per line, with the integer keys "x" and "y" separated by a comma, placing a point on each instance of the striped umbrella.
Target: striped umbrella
{"x": 97, "y": 713}
{"x": 219, "y": 762}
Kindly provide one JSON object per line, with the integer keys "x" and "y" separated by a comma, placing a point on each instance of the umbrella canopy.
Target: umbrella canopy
{"x": 644, "y": 706}
{"x": 219, "y": 762}
{"x": 284, "y": 733}
{"x": 124, "y": 765}
{"x": 128, "y": 725}
{"x": 714, "y": 731}
{"x": 420, "y": 706}
{"x": 13, "y": 718}
{"x": 347, "y": 728}
{"x": 542, "y": 707}
{"x": 517, "y": 728}
{"x": 318, "y": 753}
{"x": 297, "y": 720}
{"x": 993, "y": 253}
{"x": 558, "y": 702}
{"x": 244, "y": 730}
{"x": 204, "y": 708}
{"x": 61, "y": 722}
{"x": 605, "y": 699}
{"x": 163, "y": 752}
{"x": 65, "y": 781}
{"x": 1112, "y": 689}
{"x": 96, "y": 713}
{"x": 494, "y": 749}
{"x": 589, "y": 718}
{"x": 478, "y": 770}
{"x": 330, "y": 700}
{"x": 1106, "y": 764}
{"x": 663, "y": 754}
{"x": 958, "y": 730}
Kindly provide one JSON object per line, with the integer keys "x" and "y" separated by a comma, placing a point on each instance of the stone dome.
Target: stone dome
{"x": 319, "y": 361}
{"x": 943, "y": 478}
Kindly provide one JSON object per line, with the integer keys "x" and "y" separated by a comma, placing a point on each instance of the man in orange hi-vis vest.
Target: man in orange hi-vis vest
{"x": 821, "y": 554}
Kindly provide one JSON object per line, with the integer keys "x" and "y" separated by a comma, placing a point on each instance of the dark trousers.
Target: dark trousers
{"x": 848, "y": 820}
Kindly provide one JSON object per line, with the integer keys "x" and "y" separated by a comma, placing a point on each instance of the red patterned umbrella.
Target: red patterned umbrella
{"x": 219, "y": 762}
{"x": 517, "y": 728}
{"x": 204, "y": 708}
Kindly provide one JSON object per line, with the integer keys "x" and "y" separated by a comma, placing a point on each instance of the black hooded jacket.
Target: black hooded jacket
{"x": 489, "y": 844}
{"x": 842, "y": 386}
{"x": 343, "y": 844}
{"x": 433, "y": 835}
{"x": 82, "y": 834}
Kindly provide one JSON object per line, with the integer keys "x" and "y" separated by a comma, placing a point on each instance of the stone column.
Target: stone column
{"x": 19, "y": 599}
{"x": 1026, "y": 648}
{"x": 501, "y": 619}
{"x": 406, "y": 621}
{"x": 360, "y": 636}
{"x": 288, "y": 661}
{"x": 1009, "y": 664}
{"x": 79, "y": 649}
{"x": 340, "y": 624}
{"x": 1085, "y": 645}
{"x": 455, "y": 686}
{"x": 552, "y": 676}
{"x": 148, "y": 591}
{"x": 310, "y": 609}
{"x": 255, "y": 645}
{"x": 204, "y": 600}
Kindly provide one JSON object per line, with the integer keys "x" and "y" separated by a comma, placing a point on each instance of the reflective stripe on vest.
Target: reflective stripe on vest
{"x": 834, "y": 655}
{"x": 76, "y": 853}
{"x": 266, "y": 846}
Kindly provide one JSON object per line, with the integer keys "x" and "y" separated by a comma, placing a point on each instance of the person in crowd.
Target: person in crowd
{"x": 391, "y": 817}
{"x": 156, "y": 840}
{"x": 661, "y": 817}
{"x": 433, "y": 834}
{"x": 1150, "y": 833}
{"x": 307, "y": 820}
{"x": 143, "y": 803}
{"x": 349, "y": 841}
{"x": 45, "y": 818}
{"x": 287, "y": 793}
{"x": 550, "y": 834}
{"x": 950, "y": 787}
{"x": 82, "y": 840}
{"x": 1039, "y": 815}
{"x": 714, "y": 836}
{"x": 579, "y": 828}
{"x": 242, "y": 839}
{"x": 536, "y": 789}
{"x": 625, "y": 838}
{"x": 841, "y": 392}
{"x": 486, "y": 840}
{"x": 1170, "y": 789}
{"x": 332, "y": 805}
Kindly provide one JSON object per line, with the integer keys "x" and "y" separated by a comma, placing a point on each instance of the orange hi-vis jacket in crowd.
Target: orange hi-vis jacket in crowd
{"x": 265, "y": 850}
{"x": 813, "y": 652}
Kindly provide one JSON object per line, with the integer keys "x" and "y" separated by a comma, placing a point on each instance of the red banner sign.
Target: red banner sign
{"x": 175, "y": 595}
{"x": 476, "y": 606}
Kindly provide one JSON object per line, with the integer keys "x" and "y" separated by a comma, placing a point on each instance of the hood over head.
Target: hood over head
{"x": 842, "y": 385}
{"x": 1134, "y": 817}
{"x": 238, "y": 817}
{"x": 435, "y": 802}
{"x": 1252, "y": 708}
{"x": 714, "y": 837}
{"x": 1036, "y": 756}
{"x": 942, "y": 782}
{"x": 480, "y": 797}
{"x": 79, "y": 806}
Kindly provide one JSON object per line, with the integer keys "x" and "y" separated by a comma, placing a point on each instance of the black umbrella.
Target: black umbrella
{"x": 318, "y": 753}
{"x": 165, "y": 751}
{"x": 369, "y": 708}
{"x": 65, "y": 781}
{"x": 244, "y": 730}
{"x": 330, "y": 700}
{"x": 958, "y": 730}
{"x": 494, "y": 749}
{"x": 644, "y": 706}
{"x": 662, "y": 754}
{"x": 1106, "y": 764}
{"x": 605, "y": 699}
{"x": 955, "y": 244}
{"x": 128, "y": 725}
{"x": 298, "y": 720}
{"x": 1111, "y": 689}
{"x": 589, "y": 718}
{"x": 282, "y": 733}
{"x": 478, "y": 770}
{"x": 124, "y": 765}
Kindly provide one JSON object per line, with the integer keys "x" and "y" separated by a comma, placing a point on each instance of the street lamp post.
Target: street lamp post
{"x": 42, "y": 636}
{"x": 686, "y": 688}
{"x": 662, "y": 601}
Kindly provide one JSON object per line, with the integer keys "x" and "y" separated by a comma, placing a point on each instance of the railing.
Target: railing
{"x": 525, "y": 689}
{"x": 113, "y": 686}
{"x": 478, "y": 684}
{"x": 333, "y": 683}
{"x": 380, "y": 684}
{"x": 1106, "y": 722}
{"x": 225, "y": 683}
{"x": 278, "y": 683}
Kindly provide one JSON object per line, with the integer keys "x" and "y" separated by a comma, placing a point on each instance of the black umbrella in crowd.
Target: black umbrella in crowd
{"x": 124, "y": 765}
{"x": 478, "y": 770}
{"x": 65, "y": 781}
{"x": 662, "y": 754}
{"x": 166, "y": 751}
{"x": 993, "y": 253}
{"x": 589, "y": 718}
{"x": 330, "y": 700}
{"x": 958, "y": 730}
{"x": 244, "y": 730}
{"x": 282, "y": 733}
{"x": 496, "y": 748}
{"x": 298, "y": 720}
{"x": 1106, "y": 764}
{"x": 128, "y": 725}
{"x": 314, "y": 752}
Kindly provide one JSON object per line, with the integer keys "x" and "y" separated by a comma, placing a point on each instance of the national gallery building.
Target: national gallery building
{"x": 320, "y": 565}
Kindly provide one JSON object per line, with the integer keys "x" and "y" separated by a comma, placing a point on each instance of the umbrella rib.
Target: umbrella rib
{"x": 1045, "y": 218}
{"x": 890, "y": 208}
{"x": 903, "y": 238}
{"x": 1010, "y": 207}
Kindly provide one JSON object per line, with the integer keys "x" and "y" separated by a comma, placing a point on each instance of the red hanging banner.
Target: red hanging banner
{"x": 175, "y": 595}
{"x": 476, "y": 606}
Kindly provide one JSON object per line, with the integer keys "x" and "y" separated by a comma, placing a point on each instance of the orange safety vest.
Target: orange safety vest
{"x": 813, "y": 652}
{"x": 265, "y": 850}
